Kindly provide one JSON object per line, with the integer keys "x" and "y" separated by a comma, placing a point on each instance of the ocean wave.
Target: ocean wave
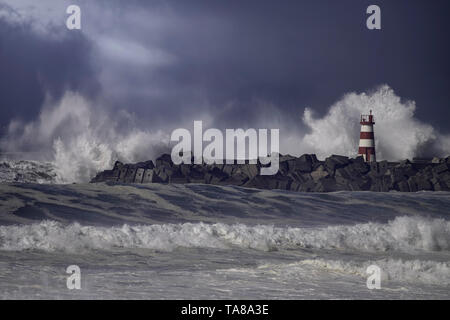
{"x": 429, "y": 272}
{"x": 80, "y": 142}
{"x": 391, "y": 269}
{"x": 25, "y": 171}
{"x": 337, "y": 131}
{"x": 404, "y": 234}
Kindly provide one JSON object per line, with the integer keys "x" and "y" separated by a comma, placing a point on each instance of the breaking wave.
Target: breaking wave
{"x": 78, "y": 141}
{"x": 84, "y": 142}
{"x": 429, "y": 272}
{"x": 398, "y": 133}
{"x": 405, "y": 234}
{"x": 27, "y": 172}
{"x": 80, "y": 138}
{"x": 413, "y": 271}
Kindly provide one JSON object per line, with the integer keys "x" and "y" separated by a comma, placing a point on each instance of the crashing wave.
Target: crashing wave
{"x": 81, "y": 142}
{"x": 27, "y": 172}
{"x": 399, "y": 270}
{"x": 404, "y": 234}
{"x": 430, "y": 272}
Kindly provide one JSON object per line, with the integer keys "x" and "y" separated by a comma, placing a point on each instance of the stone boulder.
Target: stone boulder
{"x": 303, "y": 174}
{"x": 334, "y": 162}
{"x": 302, "y": 164}
{"x": 164, "y": 161}
{"x": 150, "y": 176}
{"x": 319, "y": 173}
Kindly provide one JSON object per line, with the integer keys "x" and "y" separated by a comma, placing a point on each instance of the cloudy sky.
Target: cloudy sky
{"x": 160, "y": 64}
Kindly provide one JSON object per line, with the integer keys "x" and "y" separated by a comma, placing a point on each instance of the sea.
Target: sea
{"x": 197, "y": 241}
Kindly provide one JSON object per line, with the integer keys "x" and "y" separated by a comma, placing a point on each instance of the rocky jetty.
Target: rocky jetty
{"x": 305, "y": 174}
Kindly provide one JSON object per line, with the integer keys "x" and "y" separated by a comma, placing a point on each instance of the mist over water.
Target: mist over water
{"x": 81, "y": 137}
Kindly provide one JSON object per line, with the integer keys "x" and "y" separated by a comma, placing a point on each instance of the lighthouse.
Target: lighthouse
{"x": 367, "y": 138}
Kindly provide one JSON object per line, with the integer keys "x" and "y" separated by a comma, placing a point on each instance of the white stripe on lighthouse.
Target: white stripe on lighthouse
{"x": 365, "y": 128}
{"x": 366, "y": 143}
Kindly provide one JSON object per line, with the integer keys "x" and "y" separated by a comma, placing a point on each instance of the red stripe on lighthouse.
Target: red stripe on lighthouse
{"x": 366, "y": 150}
{"x": 367, "y": 135}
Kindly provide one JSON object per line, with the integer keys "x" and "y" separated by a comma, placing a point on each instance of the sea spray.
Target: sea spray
{"x": 403, "y": 234}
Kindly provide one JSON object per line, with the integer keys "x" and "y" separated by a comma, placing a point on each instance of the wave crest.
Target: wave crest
{"x": 405, "y": 234}
{"x": 27, "y": 172}
{"x": 429, "y": 272}
{"x": 398, "y": 133}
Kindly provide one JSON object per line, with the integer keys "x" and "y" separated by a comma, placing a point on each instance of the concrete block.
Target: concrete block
{"x": 139, "y": 175}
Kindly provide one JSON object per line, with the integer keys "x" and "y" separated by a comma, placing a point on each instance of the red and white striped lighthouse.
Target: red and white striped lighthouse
{"x": 367, "y": 138}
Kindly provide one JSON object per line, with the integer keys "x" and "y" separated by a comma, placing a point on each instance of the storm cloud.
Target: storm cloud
{"x": 153, "y": 66}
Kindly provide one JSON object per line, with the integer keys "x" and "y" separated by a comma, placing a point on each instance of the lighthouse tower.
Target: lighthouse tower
{"x": 367, "y": 138}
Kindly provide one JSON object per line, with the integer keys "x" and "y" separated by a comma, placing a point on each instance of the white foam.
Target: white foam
{"x": 27, "y": 172}
{"x": 430, "y": 272}
{"x": 405, "y": 234}
{"x": 80, "y": 142}
{"x": 398, "y": 133}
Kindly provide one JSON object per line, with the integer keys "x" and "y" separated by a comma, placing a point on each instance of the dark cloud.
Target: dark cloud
{"x": 139, "y": 69}
{"x": 292, "y": 54}
{"x": 228, "y": 59}
{"x": 34, "y": 65}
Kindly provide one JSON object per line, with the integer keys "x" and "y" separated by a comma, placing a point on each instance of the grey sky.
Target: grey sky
{"x": 240, "y": 62}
